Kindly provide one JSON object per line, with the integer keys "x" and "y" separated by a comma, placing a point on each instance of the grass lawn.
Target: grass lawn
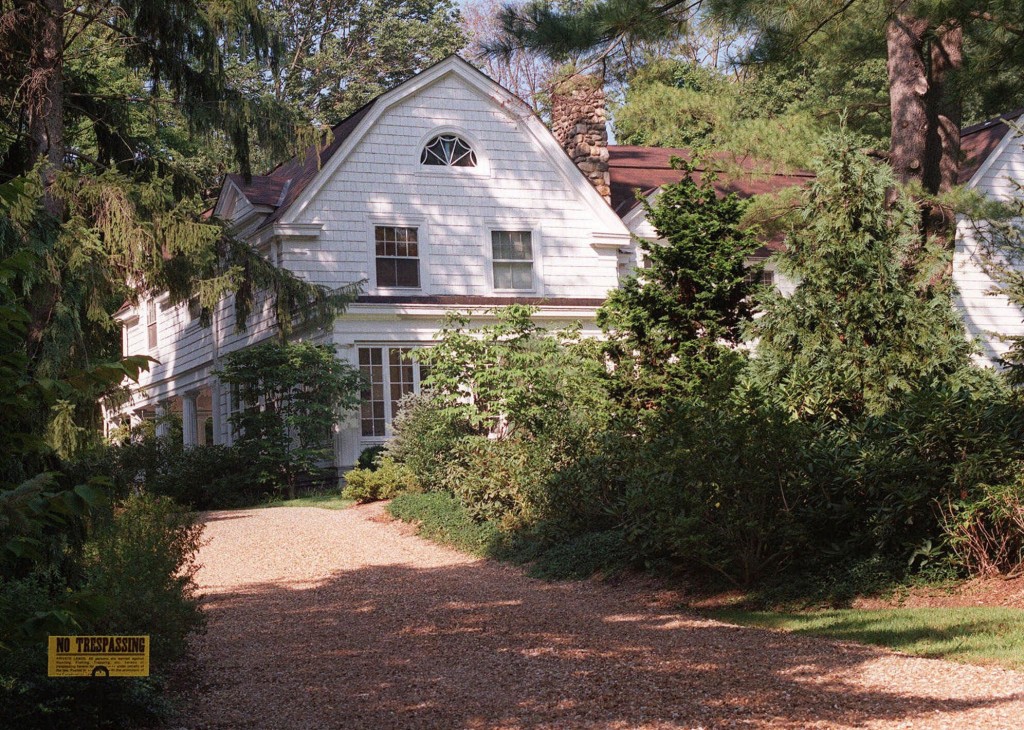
{"x": 978, "y": 635}
{"x": 323, "y": 501}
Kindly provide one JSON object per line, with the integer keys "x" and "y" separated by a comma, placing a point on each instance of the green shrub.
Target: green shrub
{"x": 583, "y": 556}
{"x": 386, "y": 481}
{"x": 441, "y": 517}
{"x": 290, "y": 395}
{"x": 716, "y": 486}
{"x": 882, "y": 482}
{"x": 201, "y": 477}
{"x": 425, "y": 434}
{"x": 986, "y": 533}
{"x": 370, "y": 456}
{"x": 143, "y": 563}
{"x": 133, "y": 575}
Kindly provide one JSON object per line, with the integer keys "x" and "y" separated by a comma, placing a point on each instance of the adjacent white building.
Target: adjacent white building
{"x": 994, "y": 162}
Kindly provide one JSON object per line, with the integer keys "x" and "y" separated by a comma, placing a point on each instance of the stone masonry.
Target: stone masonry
{"x": 579, "y": 119}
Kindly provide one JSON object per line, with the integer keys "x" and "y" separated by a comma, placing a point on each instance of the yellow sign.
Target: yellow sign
{"x": 98, "y": 656}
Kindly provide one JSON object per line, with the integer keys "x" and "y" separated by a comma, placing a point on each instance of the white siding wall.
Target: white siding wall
{"x": 182, "y": 345}
{"x": 988, "y": 316}
{"x": 515, "y": 186}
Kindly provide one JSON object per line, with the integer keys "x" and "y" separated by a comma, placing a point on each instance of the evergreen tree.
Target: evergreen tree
{"x": 934, "y": 54}
{"x": 673, "y": 327}
{"x": 120, "y": 119}
{"x": 860, "y": 331}
{"x": 672, "y": 103}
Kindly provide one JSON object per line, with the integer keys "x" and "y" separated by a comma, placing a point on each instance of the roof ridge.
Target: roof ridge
{"x": 1000, "y": 119}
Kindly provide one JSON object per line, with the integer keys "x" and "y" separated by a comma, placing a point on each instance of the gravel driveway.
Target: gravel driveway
{"x": 339, "y": 619}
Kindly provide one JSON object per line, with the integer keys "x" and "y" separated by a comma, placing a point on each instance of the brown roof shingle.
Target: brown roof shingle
{"x": 283, "y": 185}
{"x": 978, "y": 141}
{"x": 632, "y": 168}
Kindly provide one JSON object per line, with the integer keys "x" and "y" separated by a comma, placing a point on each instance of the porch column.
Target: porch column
{"x": 163, "y": 428}
{"x": 190, "y": 419}
{"x": 219, "y": 436}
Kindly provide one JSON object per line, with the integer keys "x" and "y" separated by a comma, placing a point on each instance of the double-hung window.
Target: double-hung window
{"x": 389, "y": 374}
{"x": 512, "y": 257}
{"x": 398, "y": 252}
{"x": 151, "y": 324}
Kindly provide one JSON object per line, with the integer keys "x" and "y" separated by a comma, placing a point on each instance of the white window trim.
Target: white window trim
{"x": 535, "y": 243}
{"x": 422, "y": 244}
{"x": 153, "y": 321}
{"x": 483, "y": 164}
{"x": 386, "y": 369}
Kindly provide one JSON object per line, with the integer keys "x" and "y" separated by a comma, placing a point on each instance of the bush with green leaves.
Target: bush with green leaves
{"x": 143, "y": 563}
{"x": 290, "y": 396}
{"x": 202, "y": 477}
{"x": 70, "y": 565}
{"x": 985, "y": 533}
{"x": 887, "y": 484}
{"x": 370, "y": 456}
{"x": 387, "y": 480}
{"x": 506, "y": 405}
{"x": 425, "y": 434}
{"x": 441, "y": 517}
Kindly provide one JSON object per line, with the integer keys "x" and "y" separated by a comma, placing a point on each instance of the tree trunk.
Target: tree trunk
{"x": 925, "y": 144}
{"x": 908, "y": 90}
{"x": 44, "y": 93}
{"x": 942, "y": 152}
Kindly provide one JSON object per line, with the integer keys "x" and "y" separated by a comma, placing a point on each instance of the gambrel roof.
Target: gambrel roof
{"x": 280, "y": 188}
{"x": 631, "y": 168}
{"x": 287, "y": 189}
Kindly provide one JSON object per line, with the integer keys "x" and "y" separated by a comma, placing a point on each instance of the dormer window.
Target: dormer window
{"x": 448, "y": 150}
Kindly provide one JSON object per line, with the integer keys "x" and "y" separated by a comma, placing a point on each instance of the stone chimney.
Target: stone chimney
{"x": 578, "y": 116}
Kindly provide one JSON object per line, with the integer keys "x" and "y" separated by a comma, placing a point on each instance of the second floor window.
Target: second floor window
{"x": 512, "y": 254}
{"x": 398, "y": 263}
{"x": 151, "y": 323}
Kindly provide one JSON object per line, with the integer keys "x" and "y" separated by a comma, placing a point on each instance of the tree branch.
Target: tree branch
{"x": 817, "y": 29}
{"x": 989, "y": 18}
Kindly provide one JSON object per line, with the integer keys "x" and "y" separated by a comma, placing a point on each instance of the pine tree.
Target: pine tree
{"x": 120, "y": 119}
{"x": 935, "y": 54}
{"x": 673, "y": 327}
{"x": 860, "y": 331}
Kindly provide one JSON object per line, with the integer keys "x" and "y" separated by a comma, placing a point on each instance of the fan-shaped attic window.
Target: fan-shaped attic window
{"x": 448, "y": 150}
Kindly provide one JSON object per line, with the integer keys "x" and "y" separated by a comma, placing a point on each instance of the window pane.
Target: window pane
{"x": 522, "y": 248}
{"x": 407, "y": 273}
{"x": 512, "y": 245}
{"x": 502, "y": 276}
{"x": 371, "y": 411}
{"x": 385, "y": 272}
{"x": 448, "y": 149}
{"x": 513, "y": 275}
{"x": 522, "y": 276}
{"x": 397, "y": 249}
{"x": 402, "y": 376}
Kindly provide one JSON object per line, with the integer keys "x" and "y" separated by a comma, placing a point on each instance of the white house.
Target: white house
{"x": 993, "y": 160}
{"x": 446, "y": 193}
